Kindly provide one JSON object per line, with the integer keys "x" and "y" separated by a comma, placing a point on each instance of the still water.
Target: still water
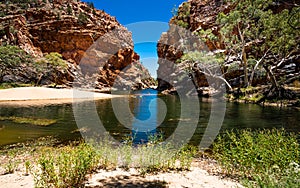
{"x": 148, "y": 118}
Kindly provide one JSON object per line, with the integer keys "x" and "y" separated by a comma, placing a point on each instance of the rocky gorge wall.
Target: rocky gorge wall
{"x": 71, "y": 28}
{"x": 196, "y": 16}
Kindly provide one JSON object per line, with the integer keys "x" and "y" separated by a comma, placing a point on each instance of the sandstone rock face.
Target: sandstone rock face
{"x": 70, "y": 28}
{"x": 200, "y": 15}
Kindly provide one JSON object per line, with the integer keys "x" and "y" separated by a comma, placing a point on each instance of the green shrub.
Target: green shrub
{"x": 69, "y": 10}
{"x": 182, "y": 15}
{"x": 52, "y": 67}
{"x": 11, "y": 56}
{"x": 82, "y": 19}
{"x": 91, "y": 5}
{"x": 67, "y": 168}
{"x": 55, "y": 59}
{"x": 264, "y": 156}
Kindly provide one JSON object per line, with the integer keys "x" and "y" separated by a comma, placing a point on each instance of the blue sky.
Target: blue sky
{"x": 146, "y": 19}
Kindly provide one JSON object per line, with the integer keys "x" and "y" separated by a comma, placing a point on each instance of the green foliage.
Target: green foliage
{"x": 12, "y": 163}
{"x": 269, "y": 157}
{"x": 11, "y": 56}
{"x": 52, "y": 66}
{"x": 182, "y": 15}
{"x": 203, "y": 57}
{"x": 68, "y": 168}
{"x": 56, "y": 60}
{"x": 207, "y": 34}
{"x": 13, "y": 59}
{"x": 5, "y": 85}
{"x": 182, "y": 23}
{"x": 279, "y": 35}
{"x": 29, "y": 120}
{"x": 69, "y": 10}
{"x": 2, "y": 13}
{"x": 91, "y": 5}
{"x": 52, "y": 62}
{"x": 251, "y": 23}
{"x": 82, "y": 19}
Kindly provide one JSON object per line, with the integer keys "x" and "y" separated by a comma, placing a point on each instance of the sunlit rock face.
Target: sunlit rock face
{"x": 200, "y": 15}
{"x": 71, "y": 28}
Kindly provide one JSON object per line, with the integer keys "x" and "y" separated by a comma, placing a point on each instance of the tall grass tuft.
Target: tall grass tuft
{"x": 66, "y": 167}
{"x": 263, "y": 158}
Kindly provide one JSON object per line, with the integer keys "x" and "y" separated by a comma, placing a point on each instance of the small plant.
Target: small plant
{"x": 69, "y": 10}
{"x": 182, "y": 15}
{"x": 5, "y": 85}
{"x": 11, "y": 56}
{"x": 91, "y": 5}
{"x": 12, "y": 163}
{"x": 56, "y": 60}
{"x": 27, "y": 168}
{"x": 68, "y": 168}
{"x": 82, "y": 19}
{"x": 10, "y": 167}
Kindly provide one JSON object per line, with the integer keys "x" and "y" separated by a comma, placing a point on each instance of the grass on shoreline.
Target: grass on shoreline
{"x": 6, "y": 85}
{"x": 261, "y": 158}
{"x": 29, "y": 120}
{"x": 68, "y": 165}
{"x": 264, "y": 158}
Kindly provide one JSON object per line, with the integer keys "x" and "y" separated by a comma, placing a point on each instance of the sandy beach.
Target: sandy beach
{"x": 42, "y": 95}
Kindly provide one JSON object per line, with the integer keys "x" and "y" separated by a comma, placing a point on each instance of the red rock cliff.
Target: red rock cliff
{"x": 70, "y": 28}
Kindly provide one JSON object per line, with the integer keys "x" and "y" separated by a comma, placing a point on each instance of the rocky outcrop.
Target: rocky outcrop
{"x": 70, "y": 28}
{"x": 192, "y": 16}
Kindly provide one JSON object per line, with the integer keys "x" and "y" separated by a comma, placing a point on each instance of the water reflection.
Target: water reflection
{"x": 145, "y": 112}
{"x": 146, "y": 109}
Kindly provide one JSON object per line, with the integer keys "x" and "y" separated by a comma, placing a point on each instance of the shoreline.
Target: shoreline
{"x": 44, "y": 96}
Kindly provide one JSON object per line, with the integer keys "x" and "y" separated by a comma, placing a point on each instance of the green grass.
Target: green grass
{"x": 65, "y": 167}
{"x": 265, "y": 158}
{"x": 29, "y": 120}
{"x": 13, "y": 85}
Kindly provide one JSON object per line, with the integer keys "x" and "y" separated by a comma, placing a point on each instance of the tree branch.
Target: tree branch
{"x": 256, "y": 65}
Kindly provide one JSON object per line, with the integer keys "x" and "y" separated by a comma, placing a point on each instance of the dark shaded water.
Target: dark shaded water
{"x": 145, "y": 107}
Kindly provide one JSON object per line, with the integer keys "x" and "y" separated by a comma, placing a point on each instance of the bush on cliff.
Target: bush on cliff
{"x": 52, "y": 68}
{"x": 12, "y": 57}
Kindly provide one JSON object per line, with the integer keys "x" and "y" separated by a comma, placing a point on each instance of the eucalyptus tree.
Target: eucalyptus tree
{"x": 259, "y": 33}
